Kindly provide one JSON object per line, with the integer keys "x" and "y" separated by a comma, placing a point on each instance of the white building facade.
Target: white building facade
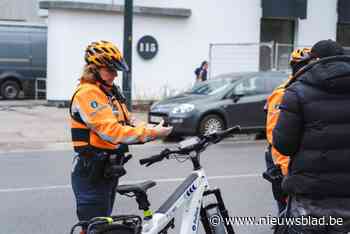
{"x": 184, "y": 31}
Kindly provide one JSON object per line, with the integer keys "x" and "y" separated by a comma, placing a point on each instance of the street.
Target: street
{"x": 36, "y": 196}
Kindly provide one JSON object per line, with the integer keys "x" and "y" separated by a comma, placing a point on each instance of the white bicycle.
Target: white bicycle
{"x": 189, "y": 196}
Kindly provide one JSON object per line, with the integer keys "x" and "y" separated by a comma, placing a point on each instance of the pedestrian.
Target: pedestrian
{"x": 277, "y": 163}
{"x": 202, "y": 72}
{"x": 313, "y": 129}
{"x": 102, "y": 129}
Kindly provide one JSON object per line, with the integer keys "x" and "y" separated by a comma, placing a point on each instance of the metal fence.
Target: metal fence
{"x": 228, "y": 58}
{"x": 241, "y": 57}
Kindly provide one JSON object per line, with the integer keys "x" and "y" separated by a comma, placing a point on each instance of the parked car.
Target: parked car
{"x": 22, "y": 59}
{"x": 219, "y": 103}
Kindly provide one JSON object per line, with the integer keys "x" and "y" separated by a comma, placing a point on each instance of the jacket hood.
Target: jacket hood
{"x": 331, "y": 74}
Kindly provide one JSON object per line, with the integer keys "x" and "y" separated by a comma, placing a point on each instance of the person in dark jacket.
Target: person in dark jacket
{"x": 202, "y": 72}
{"x": 314, "y": 129}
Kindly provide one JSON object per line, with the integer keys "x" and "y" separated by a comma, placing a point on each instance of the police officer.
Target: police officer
{"x": 277, "y": 163}
{"x": 102, "y": 129}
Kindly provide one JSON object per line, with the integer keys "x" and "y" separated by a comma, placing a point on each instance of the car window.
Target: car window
{"x": 273, "y": 81}
{"x": 211, "y": 87}
{"x": 251, "y": 86}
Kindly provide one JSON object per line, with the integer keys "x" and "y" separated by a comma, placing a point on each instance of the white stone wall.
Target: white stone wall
{"x": 183, "y": 42}
{"x": 69, "y": 33}
{"x": 320, "y": 24}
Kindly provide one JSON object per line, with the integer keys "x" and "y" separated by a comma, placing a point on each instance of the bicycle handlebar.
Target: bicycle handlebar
{"x": 156, "y": 158}
{"x": 201, "y": 145}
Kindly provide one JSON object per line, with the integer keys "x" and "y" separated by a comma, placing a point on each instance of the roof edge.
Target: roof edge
{"x": 141, "y": 10}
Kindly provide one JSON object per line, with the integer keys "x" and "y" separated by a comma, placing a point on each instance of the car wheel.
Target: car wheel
{"x": 10, "y": 90}
{"x": 210, "y": 124}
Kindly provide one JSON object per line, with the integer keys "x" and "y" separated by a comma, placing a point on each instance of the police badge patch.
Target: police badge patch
{"x": 94, "y": 104}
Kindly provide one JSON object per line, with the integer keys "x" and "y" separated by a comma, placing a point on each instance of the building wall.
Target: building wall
{"x": 69, "y": 32}
{"x": 183, "y": 42}
{"x": 321, "y": 22}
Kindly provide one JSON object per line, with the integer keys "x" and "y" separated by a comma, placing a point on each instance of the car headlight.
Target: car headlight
{"x": 183, "y": 108}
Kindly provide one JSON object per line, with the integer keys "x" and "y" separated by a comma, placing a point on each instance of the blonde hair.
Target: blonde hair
{"x": 88, "y": 75}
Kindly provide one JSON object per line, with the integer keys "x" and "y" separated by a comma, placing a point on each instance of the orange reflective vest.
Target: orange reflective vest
{"x": 273, "y": 112}
{"x": 99, "y": 122}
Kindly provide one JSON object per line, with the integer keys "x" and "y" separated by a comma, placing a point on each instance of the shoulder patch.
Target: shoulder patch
{"x": 94, "y": 104}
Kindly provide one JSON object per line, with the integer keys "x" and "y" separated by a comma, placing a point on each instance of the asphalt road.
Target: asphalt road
{"x": 36, "y": 197}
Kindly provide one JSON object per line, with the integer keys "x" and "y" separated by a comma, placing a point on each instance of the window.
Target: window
{"x": 274, "y": 81}
{"x": 251, "y": 86}
{"x": 278, "y": 30}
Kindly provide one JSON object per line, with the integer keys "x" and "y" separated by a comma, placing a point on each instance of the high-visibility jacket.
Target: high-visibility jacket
{"x": 99, "y": 122}
{"x": 272, "y": 105}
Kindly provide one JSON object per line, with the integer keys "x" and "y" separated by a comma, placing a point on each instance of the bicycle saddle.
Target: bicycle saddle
{"x": 135, "y": 188}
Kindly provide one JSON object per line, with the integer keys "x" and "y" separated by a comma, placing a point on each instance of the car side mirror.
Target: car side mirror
{"x": 236, "y": 96}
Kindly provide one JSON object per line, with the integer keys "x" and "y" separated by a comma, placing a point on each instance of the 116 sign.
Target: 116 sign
{"x": 147, "y": 47}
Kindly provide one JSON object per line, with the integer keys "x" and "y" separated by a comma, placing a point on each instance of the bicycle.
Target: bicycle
{"x": 189, "y": 195}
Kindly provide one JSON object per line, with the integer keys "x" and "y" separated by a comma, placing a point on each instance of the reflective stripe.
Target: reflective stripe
{"x": 148, "y": 138}
{"x": 129, "y": 140}
{"x": 85, "y": 119}
{"x": 80, "y": 143}
{"x": 105, "y": 137}
{"x": 82, "y": 115}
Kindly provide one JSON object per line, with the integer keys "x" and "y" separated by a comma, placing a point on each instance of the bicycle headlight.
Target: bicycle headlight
{"x": 183, "y": 108}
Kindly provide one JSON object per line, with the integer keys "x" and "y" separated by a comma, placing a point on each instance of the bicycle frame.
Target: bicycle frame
{"x": 188, "y": 196}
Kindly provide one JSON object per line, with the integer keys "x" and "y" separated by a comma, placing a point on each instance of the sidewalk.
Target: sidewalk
{"x": 31, "y": 125}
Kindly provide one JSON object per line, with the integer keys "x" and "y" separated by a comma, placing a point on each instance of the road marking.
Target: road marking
{"x": 169, "y": 180}
{"x": 67, "y": 146}
{"x": 10, "y": 190}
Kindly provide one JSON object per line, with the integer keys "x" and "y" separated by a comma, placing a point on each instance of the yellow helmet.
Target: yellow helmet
{"x": 105, "y": 54}
{"x": 299, "y": 55}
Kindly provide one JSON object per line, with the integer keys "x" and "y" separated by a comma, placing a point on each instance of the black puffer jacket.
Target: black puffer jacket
{"x": 314, "y": 128}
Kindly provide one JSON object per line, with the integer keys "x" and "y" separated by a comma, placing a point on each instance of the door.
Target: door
{"x": 247, "y": 103}
{"x": 280, "y": 31}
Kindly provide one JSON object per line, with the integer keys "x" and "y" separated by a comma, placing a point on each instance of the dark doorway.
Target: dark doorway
{"x": 280, "y": 31}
